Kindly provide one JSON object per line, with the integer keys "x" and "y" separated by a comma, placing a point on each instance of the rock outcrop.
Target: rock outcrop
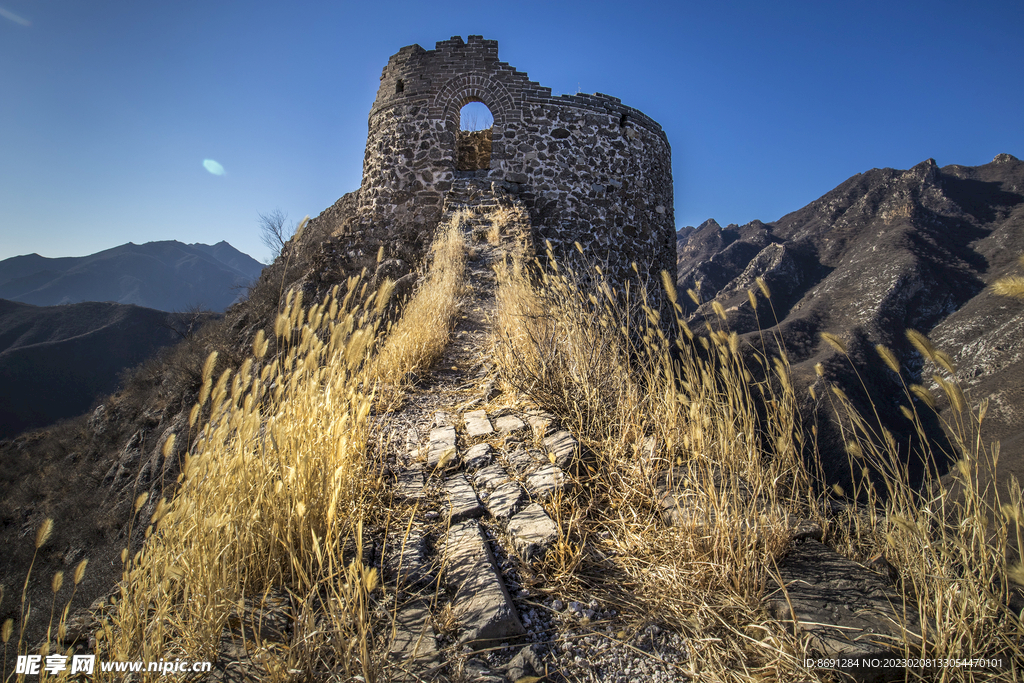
{"x": 885, "y": 251}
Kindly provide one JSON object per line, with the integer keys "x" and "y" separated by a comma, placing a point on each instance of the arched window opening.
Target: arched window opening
{"x": 399, "y": 87}
{"x": 473, "y": 147}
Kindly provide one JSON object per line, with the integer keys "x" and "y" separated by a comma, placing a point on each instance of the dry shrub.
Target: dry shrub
{"x": 955, "y": 539}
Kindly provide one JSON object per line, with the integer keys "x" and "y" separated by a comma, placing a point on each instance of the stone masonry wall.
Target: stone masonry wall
{"x": 473, "y": 150}
{"x": 588, "y": 168}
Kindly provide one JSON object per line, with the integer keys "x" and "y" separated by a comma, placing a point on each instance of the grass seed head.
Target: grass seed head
{"x": 44, "y": 532}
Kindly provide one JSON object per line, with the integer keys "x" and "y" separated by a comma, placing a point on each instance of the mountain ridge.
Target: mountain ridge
{"x": 884, "y": 251}
{"x": 166, "y": 275}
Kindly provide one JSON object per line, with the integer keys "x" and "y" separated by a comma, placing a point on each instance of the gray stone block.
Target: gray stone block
{"x": 413, "y": 649}
{"x": 509, "y": 424}
{"x": 505, "y": 500}
{"x": 478, "y": 456}
{"x": 563, "y": 446}
{"x": 409, "y": 486}
{"x": 541, "y": 422}
{"x": 462, "y": 500}
{"x": 482, "y": 603}
{"x": 406, "y": 564}
{"x": 522, "y": 461}
{"x": 441, "y": 451}
{"x": 545, "y": 481}
{"x": 477, "y": 424}
{"x": 843, "y": 610}
{"x": 490, "y": 477}
{"x": 533, "y": 532}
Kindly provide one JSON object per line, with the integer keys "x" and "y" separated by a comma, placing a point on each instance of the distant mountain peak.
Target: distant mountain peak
{"x": 166, "y": 275}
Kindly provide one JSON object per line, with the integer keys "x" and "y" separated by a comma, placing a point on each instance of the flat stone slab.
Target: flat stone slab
{"x": 522, "y": 461}
{"x": 409, "y": 486}
{"x": 545, "y": 481}
{"x": 414, "y": 645}
{"x": 562, "y": 446}
{"x": 541, "y": 422}
{"x": 844, "y": 610}
{"x": 505, "y": 500}
{"x": 478, "y": 456}
{"x": 406, "y": 564}
{"x": 533, "y": 532}
{"x": 477, "y": 424}
{"x": 462, "y": 500}
{"x": 482, "y": 603}
{"x": 490, "y": 477}
{"x": 509, "y": 424}
{"x": 441, "y": 452}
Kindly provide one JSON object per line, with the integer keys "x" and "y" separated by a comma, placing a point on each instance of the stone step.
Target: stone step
{"x": 482, "y": 603}
{"x": 563, "y": 447}
{"x": 477, "y": 424}
{"x": 462, "y": 500}
{"x": 490, "y": 477}
{"x": 533, "y": 531}
{"x": 509, "y": 424}
{"x": 542, "y": 422}
{"x": 524, "y": 461}
{"x": 414, "y": 652}
{"x": 441, "y": 452}
{"x": 480, "y": 455}
{"x": 505, "y": 500}
{"x": 406, "y": 563}
{"x": 409, "y": 486}
{"x": 844, "y": 611}
{"x": 545, "y": 481}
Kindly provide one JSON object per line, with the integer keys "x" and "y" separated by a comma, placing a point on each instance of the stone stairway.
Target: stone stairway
{"x": 474, "y": 484}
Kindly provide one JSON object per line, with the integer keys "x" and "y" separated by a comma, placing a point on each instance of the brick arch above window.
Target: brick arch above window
{"x": 461, "y": 90}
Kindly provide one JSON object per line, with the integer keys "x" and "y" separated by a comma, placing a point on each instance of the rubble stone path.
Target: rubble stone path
{"x": 474, "y": 484}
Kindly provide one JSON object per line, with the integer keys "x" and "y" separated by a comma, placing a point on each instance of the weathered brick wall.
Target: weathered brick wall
{"x": 588, "y": 168}
{"x": 473, "y": 150}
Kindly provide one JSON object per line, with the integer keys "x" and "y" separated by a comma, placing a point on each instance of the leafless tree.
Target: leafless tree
{"x": 274, "y": 231}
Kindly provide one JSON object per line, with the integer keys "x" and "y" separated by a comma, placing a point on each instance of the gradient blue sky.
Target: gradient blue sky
{"x": 108, "y": 109}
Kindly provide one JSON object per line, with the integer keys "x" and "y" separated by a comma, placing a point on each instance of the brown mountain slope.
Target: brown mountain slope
{"x": 885, "y": 251}
{"x": 55, "y": 361}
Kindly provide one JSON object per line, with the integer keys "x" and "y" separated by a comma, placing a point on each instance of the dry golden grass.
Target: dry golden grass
{"x": 1011, "y": 285}
{"x": 602, "y": 363}
{"x": 276, "y": 490}
{"x": 421, "y": 335}
{"x": 273, "y": 494}
{"x": 283, "y": 476}
{"x": 693, "y": 416}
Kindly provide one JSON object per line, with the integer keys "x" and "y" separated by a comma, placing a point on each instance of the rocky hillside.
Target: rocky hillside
{"x": 885, "y": 251}
{"x": 168, "y": 276}
{"x": 55, "y": 361}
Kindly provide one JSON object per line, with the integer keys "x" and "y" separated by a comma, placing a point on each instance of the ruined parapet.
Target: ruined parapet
{"x": 587, "y": 167}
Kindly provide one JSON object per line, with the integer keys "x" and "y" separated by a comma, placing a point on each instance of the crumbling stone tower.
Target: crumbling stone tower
{"x": 587, "y": 167}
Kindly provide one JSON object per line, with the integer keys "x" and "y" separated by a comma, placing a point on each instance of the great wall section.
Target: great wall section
{"x": 476, "y": 476}
{"x": 478, "y": 486}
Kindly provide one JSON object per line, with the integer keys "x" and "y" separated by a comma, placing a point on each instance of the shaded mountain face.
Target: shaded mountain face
{"x": 885, "y": 251}
{"x": 168, "y": 276}
{"x": 56, "y": 361}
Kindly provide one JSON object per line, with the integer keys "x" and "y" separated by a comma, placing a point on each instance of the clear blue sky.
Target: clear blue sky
{"x": 109, "y": 109}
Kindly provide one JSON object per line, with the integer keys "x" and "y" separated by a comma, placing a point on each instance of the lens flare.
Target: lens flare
{"x": 7, "y": 14}
{"x": 213, "y": 167}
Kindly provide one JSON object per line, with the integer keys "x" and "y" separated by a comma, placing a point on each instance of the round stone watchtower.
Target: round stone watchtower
{"x": 588, "y": 168}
